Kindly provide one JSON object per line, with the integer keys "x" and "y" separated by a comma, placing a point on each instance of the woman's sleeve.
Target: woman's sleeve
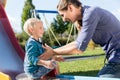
{"x": 89, "y": 24}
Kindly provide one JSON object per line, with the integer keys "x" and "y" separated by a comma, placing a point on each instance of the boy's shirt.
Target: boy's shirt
{"x": 33, "y": 50}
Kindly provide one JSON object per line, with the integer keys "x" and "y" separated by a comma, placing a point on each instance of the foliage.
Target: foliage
{"x": 59, "y": 26}
{"x": 61, "y": 30}
{"x": 92, "y": 45}
{"x": 74, "y": 29}
{"x": 62, "y": 41}
{"x": 26, "y": 11}
{"x": 47, "y": 39}
{"x": 51, "y": 41}
{"x": 22, "y": 38}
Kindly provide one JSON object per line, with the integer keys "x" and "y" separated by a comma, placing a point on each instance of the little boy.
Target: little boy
{"x": 34, "y": 66}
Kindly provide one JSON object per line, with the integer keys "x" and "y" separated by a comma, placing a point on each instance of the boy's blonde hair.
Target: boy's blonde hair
{"x": 31, "y": 22}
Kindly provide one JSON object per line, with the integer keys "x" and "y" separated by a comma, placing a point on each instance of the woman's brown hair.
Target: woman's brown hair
{"x": 63, "y": 4}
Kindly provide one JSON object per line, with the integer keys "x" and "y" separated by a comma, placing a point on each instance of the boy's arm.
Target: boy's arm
{"x": 48, "y": 64}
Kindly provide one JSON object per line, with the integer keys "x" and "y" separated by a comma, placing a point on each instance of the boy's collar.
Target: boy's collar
{"x": 40, "y": 40}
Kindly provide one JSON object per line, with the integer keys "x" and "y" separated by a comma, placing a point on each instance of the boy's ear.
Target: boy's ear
{"x": 30, "y": 30}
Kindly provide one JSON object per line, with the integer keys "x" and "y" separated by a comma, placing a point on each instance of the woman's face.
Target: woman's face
{"x": 72, "y": 14}
{"x": 66, "y": 16}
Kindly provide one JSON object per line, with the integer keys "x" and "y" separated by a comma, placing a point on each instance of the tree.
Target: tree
{"x": 59, "y": 26}
{"x": 26, "y": 11}
{"x": 22, "y": 37}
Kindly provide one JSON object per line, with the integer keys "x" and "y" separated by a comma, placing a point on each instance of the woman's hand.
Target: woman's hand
{"x": 58, "y": 58}
{"x": 48, "y": 52}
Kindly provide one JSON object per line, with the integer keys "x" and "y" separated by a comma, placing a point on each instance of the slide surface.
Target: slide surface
{"x": 11, "y": 54}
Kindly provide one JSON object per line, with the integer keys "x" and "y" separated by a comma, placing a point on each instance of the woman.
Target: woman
{"x": 97, "y": 24}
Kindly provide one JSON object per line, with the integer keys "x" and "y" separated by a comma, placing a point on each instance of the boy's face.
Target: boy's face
{"x": 38, "y": 30}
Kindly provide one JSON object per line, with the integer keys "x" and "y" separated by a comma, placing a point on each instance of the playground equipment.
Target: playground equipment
{"x": 11, "y": 54}
{"x": 3, "y": 2}
{"x": 4, "y": 76}
{"x": 43, "y": 12}
{"x": 66, "y": 77}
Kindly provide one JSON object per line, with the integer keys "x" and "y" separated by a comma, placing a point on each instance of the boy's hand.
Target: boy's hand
{"x": 50, "y": 64}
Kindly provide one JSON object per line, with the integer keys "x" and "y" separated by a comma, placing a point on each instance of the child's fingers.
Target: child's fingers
{"x": 43, "y": 46}
{"x": 46, "y": 45}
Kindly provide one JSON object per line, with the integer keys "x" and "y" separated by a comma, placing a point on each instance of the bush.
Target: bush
{"x": 22, "y": 38}
{"x": 63, "y": 41}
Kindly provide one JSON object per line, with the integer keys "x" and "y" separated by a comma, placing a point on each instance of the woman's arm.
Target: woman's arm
{"x": 68, "y": 49}
{"x": 64, "y": 50}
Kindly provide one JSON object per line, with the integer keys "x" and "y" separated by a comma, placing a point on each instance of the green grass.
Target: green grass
{"x": 83, "y": 67}
{"x": 95, "y": 51}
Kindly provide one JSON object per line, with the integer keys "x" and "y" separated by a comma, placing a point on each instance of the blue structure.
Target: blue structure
{"x": 66, "y": 77}
{"x": 45, "y": 11}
